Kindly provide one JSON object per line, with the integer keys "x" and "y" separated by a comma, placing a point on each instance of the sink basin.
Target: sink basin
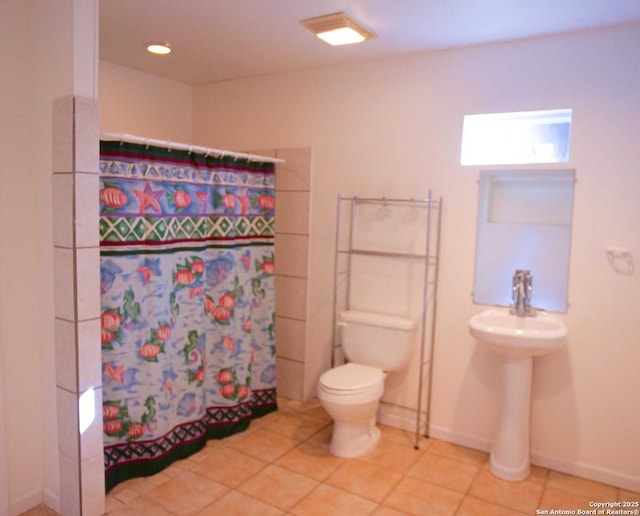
{"x": 516, "y": 336}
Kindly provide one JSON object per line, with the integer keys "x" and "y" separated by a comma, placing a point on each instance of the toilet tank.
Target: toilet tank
{"x": 378, "y": 340}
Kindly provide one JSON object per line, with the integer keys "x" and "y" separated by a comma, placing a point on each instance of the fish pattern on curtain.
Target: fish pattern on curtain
{"x": 187, "y": 302}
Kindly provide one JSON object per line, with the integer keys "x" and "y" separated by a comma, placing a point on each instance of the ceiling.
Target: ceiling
{"x": 218, "y": 40}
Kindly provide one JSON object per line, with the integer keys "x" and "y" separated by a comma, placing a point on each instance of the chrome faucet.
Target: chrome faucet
{"x": 521, "y": 290}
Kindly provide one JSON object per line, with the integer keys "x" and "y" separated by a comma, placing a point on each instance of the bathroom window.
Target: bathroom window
{"x": 524, "y": 222}
{"x": 516, "y": 138}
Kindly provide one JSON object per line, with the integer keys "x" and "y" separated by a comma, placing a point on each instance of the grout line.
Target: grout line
{"x": 291, "y": 233}
{"x": 543, "y": 492}
{"x": 288, "y": 317}
{"x": 283, "y": 275}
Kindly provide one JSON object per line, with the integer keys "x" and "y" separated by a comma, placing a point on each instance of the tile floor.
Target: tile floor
{"x": 282, "y": 465}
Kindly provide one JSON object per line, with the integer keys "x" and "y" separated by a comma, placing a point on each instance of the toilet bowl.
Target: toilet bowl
{"x": 350, "y": 394}
{"x": 373, "y": 343}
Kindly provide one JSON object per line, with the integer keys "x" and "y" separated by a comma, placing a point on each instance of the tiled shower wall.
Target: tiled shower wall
{"x": 77, "y": 305}
{"x": 293, "y": 186}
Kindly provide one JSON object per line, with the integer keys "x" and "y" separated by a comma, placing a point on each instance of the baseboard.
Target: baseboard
{"x": 470, "y": 441}
{"x": 580, "y": 469}
{"x": 398, "y": 417}
{"x": 52, "y": 500}
{"x": 25, "y": 502}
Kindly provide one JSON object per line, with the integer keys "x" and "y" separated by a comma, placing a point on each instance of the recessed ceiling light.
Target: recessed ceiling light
{"x": 159, "y": 48}
{"x": 337, "y": 29}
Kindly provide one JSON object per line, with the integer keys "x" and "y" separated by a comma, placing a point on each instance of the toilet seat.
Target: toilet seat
{"x": 352, "y": 379}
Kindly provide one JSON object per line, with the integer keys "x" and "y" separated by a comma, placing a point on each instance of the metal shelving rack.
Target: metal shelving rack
{"x": 431, "y": 261}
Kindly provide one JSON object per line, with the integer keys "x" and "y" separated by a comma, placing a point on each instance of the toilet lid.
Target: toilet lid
{"x": 351, "y": 377}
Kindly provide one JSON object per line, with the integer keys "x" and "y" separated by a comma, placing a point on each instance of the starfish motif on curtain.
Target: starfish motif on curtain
{"x": 149, "y": 198}
{"x": 114, "y": 373}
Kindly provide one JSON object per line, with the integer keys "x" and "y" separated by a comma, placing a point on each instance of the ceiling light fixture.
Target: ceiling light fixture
{"x": 159, "y": 48}
{"x": 337, "y": 29}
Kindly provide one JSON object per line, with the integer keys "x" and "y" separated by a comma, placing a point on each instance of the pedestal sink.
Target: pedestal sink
{"x": 518, "y": 340}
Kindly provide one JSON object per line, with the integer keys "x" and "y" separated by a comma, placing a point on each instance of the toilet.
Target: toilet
{"x": 374, "y": 344}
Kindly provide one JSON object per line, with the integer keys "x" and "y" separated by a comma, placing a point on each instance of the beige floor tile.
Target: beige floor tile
{"x": 122, "y": 486}
{"x": 311, "y": 459}
{"x": 318, "y": 412}
{"x": 311, "y": 408}
{"x": 263, "y": 444}
{"x": 278, "y": 487}
{"x": 186, "y": 494}
{"x": 581, "y": 486}
{"x": 628, "y": 496}
{"x": 111, "y": 504}
{"x": 142, "y": 484}
{"x": 238, "y": 504}
{"x": 286, "y": 405}
{"x": 454, "y": 451}
{"x": 475, "y": 507}
{"x": 554, "y": 498}
{"x": 327, "y": 500}
{"x": 297, "y": 438}
{"x": 200, "y": 456}
{"x": 364, "y": 479}
{"x": 538, "y": 474}
{"x": 397, "y": 435}
{"x": 444, "y": 472}
{"x": 403, "y": 437}
{"x": 414, "y": 496}
{"x": 392, "y": 456}
{"x": 521, "y": 496}
{"x": 158, "y": 479}
{"x": 176, "y": 470}
{"x": 296, "y": 426}
{"x": 323, "y": 436}
{"x": 266, "y": 419}
{"x": 140, "y": 507}
{"x": 126, "y": 495}
{"x": 229, "y": 467}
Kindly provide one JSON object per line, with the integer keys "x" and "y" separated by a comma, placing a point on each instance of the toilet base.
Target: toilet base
{"x": 353, "y": 439}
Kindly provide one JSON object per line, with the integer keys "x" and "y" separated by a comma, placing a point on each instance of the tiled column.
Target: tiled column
{"x": 293, "y": 185}
{"x": 77, "y": 305}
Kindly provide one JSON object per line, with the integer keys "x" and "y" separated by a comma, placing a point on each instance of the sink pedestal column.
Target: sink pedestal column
{"x": 510, "y": 450}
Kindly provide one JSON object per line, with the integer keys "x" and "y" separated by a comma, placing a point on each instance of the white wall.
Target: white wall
{"x": 45, "y": 53}
{"x": 393, "y": 127}
{"x": 141, "y": 104}
{"x": 35, "y": 57}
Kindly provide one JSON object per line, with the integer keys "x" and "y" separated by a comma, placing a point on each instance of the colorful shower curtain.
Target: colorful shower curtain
{"x": 187, "y": 263}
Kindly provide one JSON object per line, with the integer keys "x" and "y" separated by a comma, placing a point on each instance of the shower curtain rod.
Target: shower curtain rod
{"x": 130, "y": 138}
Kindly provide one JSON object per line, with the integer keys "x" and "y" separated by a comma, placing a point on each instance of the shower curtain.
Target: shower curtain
{"x": 187, "y": 317}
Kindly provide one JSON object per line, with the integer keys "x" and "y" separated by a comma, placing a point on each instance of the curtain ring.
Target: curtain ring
{"x": 146, "y": 141}
{"x": 190, "y": 149}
